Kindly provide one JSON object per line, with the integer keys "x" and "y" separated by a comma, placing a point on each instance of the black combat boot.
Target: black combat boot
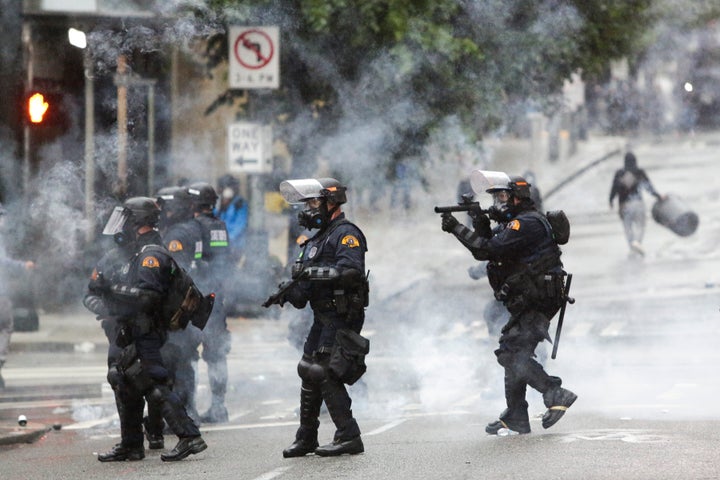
{"x": 515, "y": 420}
{"x": 557, "y": 400}
{"x": 515, "y": 417}
{"x": 306, "y": 440}
{"x": 154, "y": 432}
{"x": 341, "y": 447}
{"x": 185, "y": 447}
{"x": 347, "y": 434}
{"x": 119, "y": 453}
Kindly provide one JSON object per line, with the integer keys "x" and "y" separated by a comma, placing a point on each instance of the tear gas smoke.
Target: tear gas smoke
{"x": 424, "y": 308}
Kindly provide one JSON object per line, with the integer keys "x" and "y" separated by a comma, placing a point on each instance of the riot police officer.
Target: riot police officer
{"x": 216, "y": 340}
{"x": 136, "y": 300}
{"x": 183, "y": 238}
{"x": 526, "y": 274}
{"x": 329, "y": 275}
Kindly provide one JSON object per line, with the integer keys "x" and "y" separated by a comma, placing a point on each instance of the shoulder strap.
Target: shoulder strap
{"x": 543, "y": 219}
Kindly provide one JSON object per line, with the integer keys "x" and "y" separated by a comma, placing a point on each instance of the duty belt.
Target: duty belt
{"x": 324, "y": 349}
{"x": 323, "y": 305}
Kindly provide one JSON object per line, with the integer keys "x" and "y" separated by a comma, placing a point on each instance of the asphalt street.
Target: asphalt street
{"x": 639, "y": 348}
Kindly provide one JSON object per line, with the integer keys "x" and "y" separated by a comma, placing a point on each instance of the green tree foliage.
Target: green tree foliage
{"x": 410, "y": 63}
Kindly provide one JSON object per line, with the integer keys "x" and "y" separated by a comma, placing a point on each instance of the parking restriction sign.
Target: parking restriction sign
{"x": 254, "y": 57}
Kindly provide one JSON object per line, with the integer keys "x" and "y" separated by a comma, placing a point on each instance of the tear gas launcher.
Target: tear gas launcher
{"x": 465, "y": 205}
{"x": 279, "y": 296}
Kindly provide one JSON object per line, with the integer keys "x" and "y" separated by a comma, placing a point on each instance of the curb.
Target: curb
{"x": 12, "y": 434}
{"x": 55, "y": 346}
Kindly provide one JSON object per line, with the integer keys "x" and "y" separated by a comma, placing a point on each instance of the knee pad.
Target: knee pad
{"x": 303, "y": 367}
{"x": 114, "y": 377}
{"x": 504, "y": 356}
{"x": 156, "y": 394}
{"x": 316, "y": 373}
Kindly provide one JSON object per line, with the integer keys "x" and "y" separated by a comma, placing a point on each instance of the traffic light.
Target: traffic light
{"x": 46, "y": 114}
{"x": 37, "y": 107}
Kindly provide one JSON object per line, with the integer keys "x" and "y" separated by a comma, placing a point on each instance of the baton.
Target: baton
{"x": 567, "y": 299}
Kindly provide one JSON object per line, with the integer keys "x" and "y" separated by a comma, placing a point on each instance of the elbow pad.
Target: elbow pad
{"x": 320, "y": 274}
{"x": 96, "y": 305}
{"x": 472, "y": 241}
{"x": 144, "y": 299}
{"x": 351, "y": 277}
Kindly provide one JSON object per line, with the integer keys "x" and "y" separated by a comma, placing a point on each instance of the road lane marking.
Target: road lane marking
{"x": 272, "y": 473}
{"x": 612, "y": 330}
{"x": 386, "y": 427}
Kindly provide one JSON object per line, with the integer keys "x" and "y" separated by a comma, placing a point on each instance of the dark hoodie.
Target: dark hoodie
{"x": 629, "y": 180}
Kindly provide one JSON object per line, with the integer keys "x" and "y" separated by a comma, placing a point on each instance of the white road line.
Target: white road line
{"x": 580, "y": 329}
{"x": 386, "y": 427}
{"x": 272, "y": 473}
{"x": 220, "y": 428}
{"x": 612, "y": 330}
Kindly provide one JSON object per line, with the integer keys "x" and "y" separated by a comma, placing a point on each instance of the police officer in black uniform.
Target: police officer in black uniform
{"x": 183, "y": 238}
{"x": 526, "y": 274}
{"x": 331, "y": 265}
{"x": 135, "y": 300}
{"x": 107, "y": 272}
{"x": 216, "y": 339}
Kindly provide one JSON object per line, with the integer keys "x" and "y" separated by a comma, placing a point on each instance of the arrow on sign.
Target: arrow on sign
{"x": 242, "y": 161}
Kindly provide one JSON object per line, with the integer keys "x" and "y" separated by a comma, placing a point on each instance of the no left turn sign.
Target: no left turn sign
{"x": 254, "y": 53}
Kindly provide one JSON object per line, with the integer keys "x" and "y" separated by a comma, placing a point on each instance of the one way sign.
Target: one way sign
{"x": 249, "y": 148}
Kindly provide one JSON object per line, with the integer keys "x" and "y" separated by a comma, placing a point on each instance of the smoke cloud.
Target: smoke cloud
{"x": 426, "y": 313}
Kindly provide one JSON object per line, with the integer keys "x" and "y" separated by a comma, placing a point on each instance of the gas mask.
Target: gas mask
{"x": 501, "y": 210}
{"x": 314, "y": 215}
{"x": 119, "y": 226}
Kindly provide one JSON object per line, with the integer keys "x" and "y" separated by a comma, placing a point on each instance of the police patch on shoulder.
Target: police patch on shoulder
{"x": 150, "y": 262}
{"x": 175, "y": 246}
{"x": 514, "y": 225}
{"x": 350, "y": 241}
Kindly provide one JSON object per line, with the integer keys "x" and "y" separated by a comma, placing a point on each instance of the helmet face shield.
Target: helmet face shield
{"x": 500, "y": 197}
{"x": 117, "y": 220}
{"x": 486, "y": 181}
{"x": 298, "y": 191}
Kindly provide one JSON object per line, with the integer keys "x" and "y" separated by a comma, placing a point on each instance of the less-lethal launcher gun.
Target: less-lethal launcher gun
{"x": 278, "y": 298}
{"x": 465, "y": 205}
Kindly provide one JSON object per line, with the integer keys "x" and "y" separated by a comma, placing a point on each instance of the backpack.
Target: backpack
{"x": 560, "y": 226}
{"x": 184, "y": 302}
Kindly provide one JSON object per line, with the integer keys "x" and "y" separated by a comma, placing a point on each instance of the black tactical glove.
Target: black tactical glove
{"x": 99, "y": 284}
{"x": 297, "y": 270}
{"x": 481, "y": 225}
{"x": 449, "y": 222}
{"x": 294, "y": 295}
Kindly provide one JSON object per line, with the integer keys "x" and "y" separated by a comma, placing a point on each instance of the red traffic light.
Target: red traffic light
{"x": 37, "y": 107}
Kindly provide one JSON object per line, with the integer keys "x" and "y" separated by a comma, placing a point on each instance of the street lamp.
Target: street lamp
{"x": 78, "y": 39}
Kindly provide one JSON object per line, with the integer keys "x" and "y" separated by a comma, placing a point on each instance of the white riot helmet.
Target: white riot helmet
{"x": 302, "y": 190}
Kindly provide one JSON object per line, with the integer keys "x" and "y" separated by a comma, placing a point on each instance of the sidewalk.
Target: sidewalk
{"x": 72, "y": 329}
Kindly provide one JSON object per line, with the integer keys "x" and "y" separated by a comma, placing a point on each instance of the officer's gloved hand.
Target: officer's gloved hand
{"x": 294, "y": 295}
{"x": 481, "y": 225}
{"x": 449, "y": 222}
{"x": 297, "y": 270}
{"x": 99, "y": 284}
